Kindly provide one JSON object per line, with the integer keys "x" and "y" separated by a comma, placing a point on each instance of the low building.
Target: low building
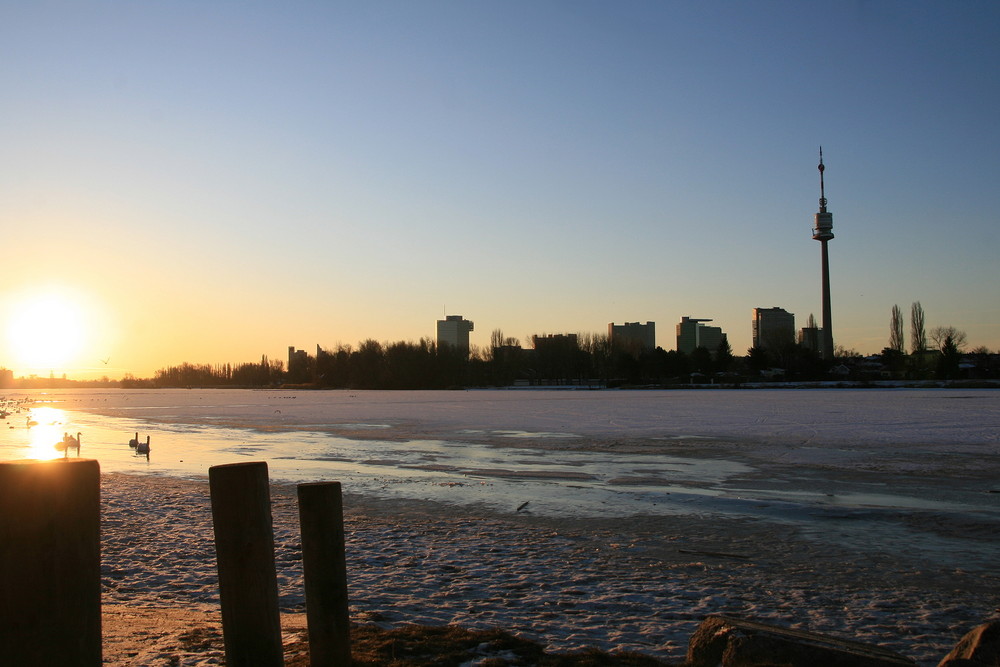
{"x": 811, "y": 338}
{"x": 300, "y": 365}
{"x": 555, "y": 342}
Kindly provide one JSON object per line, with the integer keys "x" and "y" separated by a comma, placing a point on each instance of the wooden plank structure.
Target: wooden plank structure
{"x": 50, "y": 563}
{"x": 244, "y": 546}
{"x": 324, "y": 563}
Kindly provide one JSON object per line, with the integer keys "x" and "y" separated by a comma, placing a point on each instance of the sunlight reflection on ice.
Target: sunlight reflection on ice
{"x": 518, "y": 434}
{"x": 45, "y": 429}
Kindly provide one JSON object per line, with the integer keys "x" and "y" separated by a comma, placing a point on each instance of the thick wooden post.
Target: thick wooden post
{"x": 324, "y": 564}
{"x": 244, "y": 549}
{"x": 50, "y": 563}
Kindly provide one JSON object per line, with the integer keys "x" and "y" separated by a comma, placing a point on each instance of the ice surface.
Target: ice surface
{"x": 869, "y": 512}
{"x": 789, "y": 455}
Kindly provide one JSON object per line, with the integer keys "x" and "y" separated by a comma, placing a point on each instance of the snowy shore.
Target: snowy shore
{"x": 863, "y": 514}
{"x": 636, "y": 584}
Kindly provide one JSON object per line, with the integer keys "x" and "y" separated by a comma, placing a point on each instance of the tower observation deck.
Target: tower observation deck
{"x": 823, "y": 221}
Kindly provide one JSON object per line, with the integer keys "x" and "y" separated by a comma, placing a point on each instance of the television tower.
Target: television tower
{"x": 823, "y": 232}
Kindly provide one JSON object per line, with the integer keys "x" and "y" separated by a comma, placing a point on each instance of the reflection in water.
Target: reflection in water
{"x": 48, "y": 431}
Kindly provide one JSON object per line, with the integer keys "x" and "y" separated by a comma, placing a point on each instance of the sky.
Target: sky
{"x": 212, "y": 182}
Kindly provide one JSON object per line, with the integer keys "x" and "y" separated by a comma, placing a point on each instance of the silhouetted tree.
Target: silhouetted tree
{"x": 940, "y": 335}
{"x": 677, "y": 365}
{"x": 894, "y": 360}
{"x": 804, "y": 363}
{"x": 984, "y": 363}
{"x": 918, "y": 337}
{"x": 407, "y": 366}
{"x": 368, "y": 366}
{"x": 896, "y": 330}
{"x": 723, "y": 355}
{"x": 841, "y": 353}
{"x": 601, "y": 355}
{"x": 628, "y": 367}
{"x": 758, "y": 359}
{"x": 701, "y": 360}
{"x": 452, "y": 366}
{"x": 948, "y": 362}
{"x": 556, "y": 358}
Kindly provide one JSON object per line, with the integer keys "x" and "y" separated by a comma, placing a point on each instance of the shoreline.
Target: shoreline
{"x": 640, "y": 584}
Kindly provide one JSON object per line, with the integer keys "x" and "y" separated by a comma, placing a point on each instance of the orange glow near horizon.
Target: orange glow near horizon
{"x": 52, "y": 330}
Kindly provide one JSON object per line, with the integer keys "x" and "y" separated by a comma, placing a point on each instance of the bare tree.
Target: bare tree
{"x": 896, "y": 341}
{"x": 918, "y": 337}
{"x": 841, "y": 352}
{"x": 940, "y": 335}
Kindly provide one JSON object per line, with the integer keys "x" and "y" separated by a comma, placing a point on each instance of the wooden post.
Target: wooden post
{"x": 50, "y": 563}
{"x": 244, "y": 549}
{"x": 324, "y": 564}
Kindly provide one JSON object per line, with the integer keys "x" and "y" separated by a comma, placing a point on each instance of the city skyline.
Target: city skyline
{"x": 454, "y": 331}
{"x": 210, "y": 184}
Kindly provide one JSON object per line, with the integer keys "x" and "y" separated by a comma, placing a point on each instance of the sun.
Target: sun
{"x": 46, "y": 331}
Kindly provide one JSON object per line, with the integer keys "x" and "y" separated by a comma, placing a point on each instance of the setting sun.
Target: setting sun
{"x": 46, "y": 331}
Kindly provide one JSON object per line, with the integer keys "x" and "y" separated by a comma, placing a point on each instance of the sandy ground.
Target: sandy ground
{"x": 639, "y": 583}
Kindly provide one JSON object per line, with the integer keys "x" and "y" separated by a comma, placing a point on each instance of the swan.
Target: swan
{"x": 134, "y": 442}
{"x": 68, "y": 442}
{"x": 142, "y": 447}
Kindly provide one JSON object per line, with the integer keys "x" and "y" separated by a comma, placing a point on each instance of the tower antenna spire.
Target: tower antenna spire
{"x": 822, "y": 193}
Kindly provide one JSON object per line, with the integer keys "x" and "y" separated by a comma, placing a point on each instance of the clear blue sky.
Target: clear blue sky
{"x": 216, "y": 181}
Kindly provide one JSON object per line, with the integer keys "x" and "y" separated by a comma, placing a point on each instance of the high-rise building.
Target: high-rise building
{"x": 773, "y": 328}
{"x": 823, "y": 232}
{"x": 633, "y": 337}
{"x": 454, "y": 330}
{"x": 692, "y": 333}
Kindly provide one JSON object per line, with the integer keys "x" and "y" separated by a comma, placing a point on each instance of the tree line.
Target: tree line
{"x": 581, "y": 360}
{"x": 266, "y": 373}
{"x": 936, "y": 354}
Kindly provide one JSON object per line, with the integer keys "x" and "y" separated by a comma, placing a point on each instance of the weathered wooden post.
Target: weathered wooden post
{"x": 244, "y": 550}
{"x": 50, "y": 563}
{"x": 324, "y": 564}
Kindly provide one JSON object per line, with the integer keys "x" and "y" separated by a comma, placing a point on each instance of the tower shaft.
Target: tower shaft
{"x": 827, "y": 308}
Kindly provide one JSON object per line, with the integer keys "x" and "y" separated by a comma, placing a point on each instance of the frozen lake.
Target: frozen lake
{"x": 910, "y": 466}
{"x": 615, "y": 519}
